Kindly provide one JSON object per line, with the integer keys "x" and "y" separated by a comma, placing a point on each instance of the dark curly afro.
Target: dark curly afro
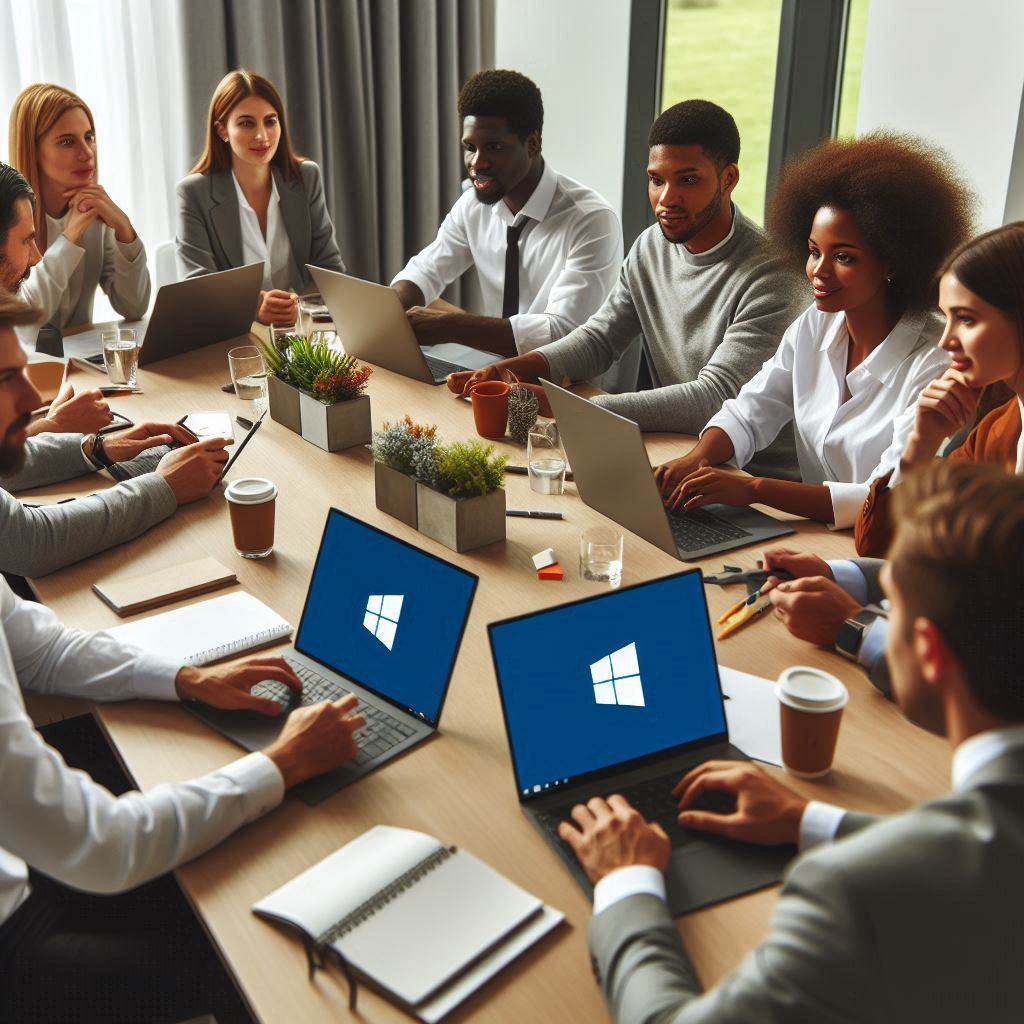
{"x": 506, "y": 94}
{"x": 906, "y": 196}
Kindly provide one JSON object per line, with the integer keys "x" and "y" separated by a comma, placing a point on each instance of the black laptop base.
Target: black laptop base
{"x": 703, "y": 869}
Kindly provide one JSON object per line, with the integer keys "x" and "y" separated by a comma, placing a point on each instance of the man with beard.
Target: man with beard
{"x": 545, "y": 247}
{"x": 36, "y": 541}
{"x": 700, "y": 287}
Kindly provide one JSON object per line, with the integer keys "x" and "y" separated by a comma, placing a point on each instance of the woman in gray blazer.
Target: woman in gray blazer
{"x": 251, "y": 198}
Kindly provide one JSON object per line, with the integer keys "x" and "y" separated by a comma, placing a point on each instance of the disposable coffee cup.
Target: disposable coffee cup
{"x": 251, "y": 502}
{"x": 811, "y": 706}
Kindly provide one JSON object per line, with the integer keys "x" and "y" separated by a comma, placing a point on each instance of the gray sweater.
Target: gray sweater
{"x": 708, "y": 320}
{"x": 37, "y": 541}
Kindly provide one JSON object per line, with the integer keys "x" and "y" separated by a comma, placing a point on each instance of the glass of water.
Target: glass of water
{"x": 601, "y": 555}
{"x": 249, "y": 375}
{"x": 121, "y": 355}
{"x": 545, "y": 458}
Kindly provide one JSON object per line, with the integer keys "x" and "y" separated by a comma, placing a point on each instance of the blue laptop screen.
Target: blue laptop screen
{"x": 603, "y": 681}
{"x": 385, "y": 614}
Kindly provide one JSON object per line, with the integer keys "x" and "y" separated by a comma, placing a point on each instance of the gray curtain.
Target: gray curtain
{"x": 370, "y": 88}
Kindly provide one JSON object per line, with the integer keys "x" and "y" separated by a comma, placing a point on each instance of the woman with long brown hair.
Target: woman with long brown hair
{"x": 251, "y": 198}
{"x": 85, "y": 237}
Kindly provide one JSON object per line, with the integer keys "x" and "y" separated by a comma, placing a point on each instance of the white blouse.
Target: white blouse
{"x": 841, "y": 444}
{"x": 274, "y": 251}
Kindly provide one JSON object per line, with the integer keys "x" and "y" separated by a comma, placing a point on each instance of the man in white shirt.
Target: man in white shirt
{"x": 546, "y": 248}
{"x": 60, "y": 822}
{"x": 913, "y": 917}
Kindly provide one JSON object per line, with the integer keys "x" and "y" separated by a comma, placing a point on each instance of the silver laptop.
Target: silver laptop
{"x": 372, "y": 326}
{"x": 613, "y": 474}
{"x": 383, "y": 620}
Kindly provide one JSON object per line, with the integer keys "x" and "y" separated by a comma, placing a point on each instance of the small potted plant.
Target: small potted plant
{"x": 460, "y": 500}
{"x": 317, "y": 391}
{"x": 400, "y": 452}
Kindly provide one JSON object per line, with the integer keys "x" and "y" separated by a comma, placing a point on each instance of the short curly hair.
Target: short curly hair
{"x": 698, "y": 123}
{"x": 507, "y": 94}
{"x": 909, "y": 202}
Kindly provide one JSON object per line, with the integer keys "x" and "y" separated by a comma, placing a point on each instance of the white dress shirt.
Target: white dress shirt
{"x": 841, "y": 444}
{"x": 60, "y": 821}
{"x": 570, "y": 252}
{"x": 274, "y": 251}
{"x": 820, "y": 820}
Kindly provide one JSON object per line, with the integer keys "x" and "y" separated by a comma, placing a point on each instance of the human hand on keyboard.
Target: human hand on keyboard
{"x": 228, "y": 686}
{"x": 764, "y": 810}
{"x": 125, "y": 445}
{"x": 707, "y": 486}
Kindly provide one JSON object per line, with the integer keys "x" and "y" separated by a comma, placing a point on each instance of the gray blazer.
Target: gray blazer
{"x": 210, "y": 236}
{"x": 37, "y": 541}
{"x": 916, "y": 918}
{"x": 878, "y": 670}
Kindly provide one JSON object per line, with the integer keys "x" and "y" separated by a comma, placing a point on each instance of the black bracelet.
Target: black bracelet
{"x": 99, "y": 456}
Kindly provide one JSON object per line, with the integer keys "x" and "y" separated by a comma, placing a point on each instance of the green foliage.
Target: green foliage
{"x": 407, "y": 447}
{"x": 466, "y": 469}
{"x": 311, "y": 365}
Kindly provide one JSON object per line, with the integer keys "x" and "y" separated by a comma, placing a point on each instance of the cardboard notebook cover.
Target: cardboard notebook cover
{"x": 130, "y": 594}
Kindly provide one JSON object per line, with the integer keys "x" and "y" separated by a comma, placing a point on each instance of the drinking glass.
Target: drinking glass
{"x": 545, "y": 458}
{"x": 601, "y": 555}
{"x": 121, "y": 355}
{"x": 249, "y": 375}
{"x": 313, "y": 314}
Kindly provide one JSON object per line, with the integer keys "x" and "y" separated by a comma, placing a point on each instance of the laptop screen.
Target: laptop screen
{"x": 605, "y": 681}
{"x": 385, "y": 614}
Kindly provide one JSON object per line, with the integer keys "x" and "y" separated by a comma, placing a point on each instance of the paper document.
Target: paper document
{"x": 752, "y": 712}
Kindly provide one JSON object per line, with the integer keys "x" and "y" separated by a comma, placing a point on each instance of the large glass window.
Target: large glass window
{"x": 849, "y": 97}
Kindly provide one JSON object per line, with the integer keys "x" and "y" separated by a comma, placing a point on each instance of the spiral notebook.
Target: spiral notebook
{"x": 207, "y": 631}
{"x": 424, "y": 923}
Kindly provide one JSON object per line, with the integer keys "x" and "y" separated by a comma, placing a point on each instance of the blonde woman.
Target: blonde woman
{"x": 85, "y": 237}
{"x": 251, "y": 198}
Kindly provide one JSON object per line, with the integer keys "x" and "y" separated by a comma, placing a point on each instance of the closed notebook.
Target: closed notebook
{"x": 130, "y": 594}
{"x": 206, "y": 631}
{"x": 425, "y": 923}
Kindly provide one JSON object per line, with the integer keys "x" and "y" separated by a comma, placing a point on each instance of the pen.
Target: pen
{"x": 523, "y": 471}
{"x": 120, "y": 389}
{"x": 738, "y": 623}
{"x": 526, "y": 514}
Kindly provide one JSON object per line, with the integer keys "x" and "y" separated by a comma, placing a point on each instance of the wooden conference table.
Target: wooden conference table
{"x": 458, "y": 786}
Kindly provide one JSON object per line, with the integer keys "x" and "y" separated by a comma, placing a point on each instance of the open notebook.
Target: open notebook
{"x": 424, "y": 923}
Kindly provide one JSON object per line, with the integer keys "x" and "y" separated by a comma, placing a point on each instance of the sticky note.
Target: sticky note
{"x": 550, "y": 572}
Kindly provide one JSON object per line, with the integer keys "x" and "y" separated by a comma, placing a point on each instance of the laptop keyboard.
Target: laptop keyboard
{"x": 144, "y": 463}
{"x": 381, "y": 732}
{"x": 700, "y": 529}
{"x": 440, "y": 368}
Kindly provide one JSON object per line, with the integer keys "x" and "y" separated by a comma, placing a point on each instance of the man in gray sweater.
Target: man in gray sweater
{"x": 700, "y": 287}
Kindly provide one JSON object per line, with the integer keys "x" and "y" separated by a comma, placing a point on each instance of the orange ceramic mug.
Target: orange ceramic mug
{"x": 490, "y": 407}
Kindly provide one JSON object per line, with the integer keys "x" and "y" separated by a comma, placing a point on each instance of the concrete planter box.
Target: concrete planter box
{"x": 284, "y": 403}
{"x": 461, "y": 523}
{"x": 335, "y": 427}
{"x": 395, "y": 493}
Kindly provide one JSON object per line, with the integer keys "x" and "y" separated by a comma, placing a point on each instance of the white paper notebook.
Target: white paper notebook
{"x": 207, "y": 631}
{"x": 427, "y": 923}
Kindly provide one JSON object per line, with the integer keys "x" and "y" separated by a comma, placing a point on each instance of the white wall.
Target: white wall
{"x": 952, "y": 72}
{"x": 577, "y": 51}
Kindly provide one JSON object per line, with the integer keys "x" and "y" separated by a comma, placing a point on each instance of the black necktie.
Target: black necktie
{"x": 510, "y": 298}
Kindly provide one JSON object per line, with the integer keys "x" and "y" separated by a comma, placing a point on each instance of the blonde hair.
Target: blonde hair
{"x": 234, "y": 87}
{"x": 37, "y": 108}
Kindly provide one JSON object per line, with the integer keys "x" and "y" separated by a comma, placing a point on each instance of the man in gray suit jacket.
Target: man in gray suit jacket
{"x": 914, "y": 917}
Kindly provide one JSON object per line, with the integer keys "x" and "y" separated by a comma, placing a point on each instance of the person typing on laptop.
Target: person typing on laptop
{"x": 911, "y": 917}
{"x": 545, "y": 247}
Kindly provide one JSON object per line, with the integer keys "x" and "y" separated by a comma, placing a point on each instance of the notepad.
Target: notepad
{"x": 130, "y": 594}
{"x": 428, "y": 924}
{"x": 207, "y": 631}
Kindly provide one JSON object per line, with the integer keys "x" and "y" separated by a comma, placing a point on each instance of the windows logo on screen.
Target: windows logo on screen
{"x": 381, "y": 619}
{"x": 617, "y": 678}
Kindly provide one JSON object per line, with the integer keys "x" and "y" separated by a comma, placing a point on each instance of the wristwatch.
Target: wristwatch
{"x": 98, "y": 455}
{"x": 852, "y": 631}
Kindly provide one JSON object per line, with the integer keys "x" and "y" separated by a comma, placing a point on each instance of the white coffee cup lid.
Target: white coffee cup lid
{"x": 251, "y": 490}
{"x": 810, "y": 689}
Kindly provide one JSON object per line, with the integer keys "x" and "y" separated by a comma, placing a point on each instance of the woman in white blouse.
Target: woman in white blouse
{"x": 872, "y": 220}
{"x": 251, "y": 198}
{"x": 85, "y": 237}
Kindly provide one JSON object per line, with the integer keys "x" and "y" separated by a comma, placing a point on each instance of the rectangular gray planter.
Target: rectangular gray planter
{"x": 461, "y": 523}
{"x": 338, "y": 426}
{"x": 284, "y": 403}
{"x": 395, "y": 493}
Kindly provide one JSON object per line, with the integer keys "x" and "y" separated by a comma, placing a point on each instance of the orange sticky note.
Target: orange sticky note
{"x": 550, "y": 572}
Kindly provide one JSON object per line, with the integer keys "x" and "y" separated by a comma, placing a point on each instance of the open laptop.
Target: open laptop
{"x": 372, "y": 326}
{"x": 620, "y": 693}
{"x": 613, "y": 474}
{"x": 383, "y": 620}
{"x": 187, "y": 315}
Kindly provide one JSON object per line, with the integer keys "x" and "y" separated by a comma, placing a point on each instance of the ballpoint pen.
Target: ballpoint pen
{"x": 741, "y": 613}
{"x": 527, "y": 514}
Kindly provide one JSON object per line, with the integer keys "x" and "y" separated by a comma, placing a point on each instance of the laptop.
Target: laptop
{"x": 383, "y": 620}
{"x": 620, "y": 693}
{"x": 187, "y": 315}
{"x": 613, "y": 474}
{"x": 373, "y": 327}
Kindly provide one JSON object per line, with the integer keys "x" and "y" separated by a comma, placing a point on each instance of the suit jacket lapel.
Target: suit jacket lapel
{"x": 224, "y": 215}
{"x": 295, "y": 215}
{"x": 1008, "y": 767}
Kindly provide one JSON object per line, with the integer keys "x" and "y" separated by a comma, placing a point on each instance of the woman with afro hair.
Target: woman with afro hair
{"x": 871, "y": 220}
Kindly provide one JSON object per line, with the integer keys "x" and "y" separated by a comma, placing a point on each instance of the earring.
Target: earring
{"x": 889, "y": 278}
